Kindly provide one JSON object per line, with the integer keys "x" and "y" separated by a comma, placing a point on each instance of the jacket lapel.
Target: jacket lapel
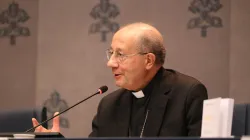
{"x": 157, "y": 106}
{"x": 123, "y": 111}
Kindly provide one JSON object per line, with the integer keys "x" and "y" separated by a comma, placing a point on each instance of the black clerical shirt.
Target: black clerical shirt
{"x": 139, "y": 110}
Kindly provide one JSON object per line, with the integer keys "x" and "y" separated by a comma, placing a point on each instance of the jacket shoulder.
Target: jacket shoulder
{"x": 179, "y": 79}
{"x": 113, "y": 98}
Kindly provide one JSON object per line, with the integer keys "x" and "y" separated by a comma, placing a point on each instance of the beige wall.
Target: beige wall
{"x": 18, "y": 63}
{"x": 74, "y": 62}
{"x": 187, "y": 52}
{"x": 70, "y": 61}
{"x": 62, "y": 56}
{"x": 239, "y": 51}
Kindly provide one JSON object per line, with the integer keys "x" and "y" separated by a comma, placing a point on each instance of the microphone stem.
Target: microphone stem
{"x": 61, "y": 112}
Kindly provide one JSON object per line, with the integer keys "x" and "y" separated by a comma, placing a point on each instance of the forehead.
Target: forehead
{"x": 123, "y": 41}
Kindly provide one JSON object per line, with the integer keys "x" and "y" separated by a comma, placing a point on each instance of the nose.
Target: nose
{"x": 112, "y": 62}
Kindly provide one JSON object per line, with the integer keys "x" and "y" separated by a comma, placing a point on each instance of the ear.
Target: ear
{"x": 150, "y": 60}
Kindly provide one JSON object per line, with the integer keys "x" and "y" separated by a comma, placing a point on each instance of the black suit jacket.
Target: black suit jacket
{"x": 175, "y": 107}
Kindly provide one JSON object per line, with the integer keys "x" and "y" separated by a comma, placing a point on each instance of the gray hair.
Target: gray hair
{"x": 149, "y": 40}
{"x": 152, "y": 44}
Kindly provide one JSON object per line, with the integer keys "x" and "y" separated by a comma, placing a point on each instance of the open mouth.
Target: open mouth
{"x": 117, "y": 75}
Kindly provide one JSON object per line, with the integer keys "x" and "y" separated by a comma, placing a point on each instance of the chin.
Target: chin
{"x": 119, "y": 84}
{"x": 125, "y": 87}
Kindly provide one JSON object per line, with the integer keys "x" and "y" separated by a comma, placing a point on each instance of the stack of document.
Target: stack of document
{"x": 217, "y": 117}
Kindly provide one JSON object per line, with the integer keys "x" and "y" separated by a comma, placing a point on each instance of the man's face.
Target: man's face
{"x": 130, "y": 72}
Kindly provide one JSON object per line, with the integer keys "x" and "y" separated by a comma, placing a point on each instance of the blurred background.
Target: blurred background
{"x": 52, "y": 52}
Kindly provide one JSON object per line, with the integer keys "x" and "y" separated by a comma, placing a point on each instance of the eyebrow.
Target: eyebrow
{"x": 118, "y": 49}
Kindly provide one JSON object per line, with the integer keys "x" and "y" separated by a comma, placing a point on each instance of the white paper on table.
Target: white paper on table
{"x": 4, "y": 138}
{"x": 217, "y": 117}
{"x": 245, "y": 138}
{"x": 227, "y": 106}
{"x": 211, "y": 120}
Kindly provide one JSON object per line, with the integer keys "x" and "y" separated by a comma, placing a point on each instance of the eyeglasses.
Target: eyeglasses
{"x": 119, "y": 56}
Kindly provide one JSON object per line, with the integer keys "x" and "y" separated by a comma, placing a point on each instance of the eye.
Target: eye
{"x": 119, "y": 54}
{"x": 111, "y": 52}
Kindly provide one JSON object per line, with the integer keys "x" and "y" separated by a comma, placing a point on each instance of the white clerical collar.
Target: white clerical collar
{"x": 138, "y": 94}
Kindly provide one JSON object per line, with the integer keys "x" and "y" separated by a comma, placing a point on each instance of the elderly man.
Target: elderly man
{"x": 152, "y": 101}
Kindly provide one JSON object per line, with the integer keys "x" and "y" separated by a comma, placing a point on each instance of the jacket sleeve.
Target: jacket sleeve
{"x": 95, "y": 125}
{"x": 194, "y": 107}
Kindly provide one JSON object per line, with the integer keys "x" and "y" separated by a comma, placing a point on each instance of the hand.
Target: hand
{"x": 55, "y": 127}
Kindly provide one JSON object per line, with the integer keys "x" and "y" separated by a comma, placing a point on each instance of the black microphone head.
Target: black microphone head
{"x": 103, "y": 89}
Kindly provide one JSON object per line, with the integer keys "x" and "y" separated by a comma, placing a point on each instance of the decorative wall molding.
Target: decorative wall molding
{"x": 104, "y": 13}
{"x": 205, "y": 19}
{"x": 56, "y": 104}
{"x": 11, "y": 20}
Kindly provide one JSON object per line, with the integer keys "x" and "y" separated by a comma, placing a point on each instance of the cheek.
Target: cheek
{"x": 133, "y": 70}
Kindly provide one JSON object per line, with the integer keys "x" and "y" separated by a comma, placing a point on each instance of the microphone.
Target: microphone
{"x": 101, "y": 90}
